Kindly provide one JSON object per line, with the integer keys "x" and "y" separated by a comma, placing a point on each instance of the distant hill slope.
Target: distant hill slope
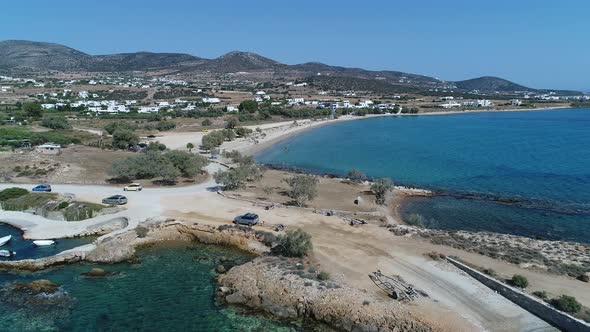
{"x": 490, "y": 83}
{"x": 22, "y": 55}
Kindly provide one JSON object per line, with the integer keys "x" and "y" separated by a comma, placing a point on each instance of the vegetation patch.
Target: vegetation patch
{"x": 11, "y": 193}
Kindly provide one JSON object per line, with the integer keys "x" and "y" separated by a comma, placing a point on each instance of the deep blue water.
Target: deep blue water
{"x": 25, "y": 249}
{"x": 537, "y": 161}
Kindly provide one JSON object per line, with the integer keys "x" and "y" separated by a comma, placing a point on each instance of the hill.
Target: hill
{"x": 22, "y": 55}
{"x": 490, "y": 83}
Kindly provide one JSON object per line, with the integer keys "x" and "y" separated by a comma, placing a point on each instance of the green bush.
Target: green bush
{"x": 165, "y": 125}
{"x": 206, "y": 123}
{"x": 567, "y": 304}
{"x": 55, "y": 122}
{"x": 154, "y": 163}
{"x": 236, "y": 177}
{"x": 323, "y": 276}
{"x": 63, "y": 205}
{"x": 540, "y": 294}
{"x": 12, "y": 193}
{"x": 519, "y": 281}
{"x": 303, "y": 188}
{"x": 243, "y": 132}
{"x": 381, "y": 187}
{"x": 123, "y": 138}
{"x": 294, "y": 243}
{"x": 356, "y": 176}
{"x": 249, "y": 106}
{"x": 114, "y": 126}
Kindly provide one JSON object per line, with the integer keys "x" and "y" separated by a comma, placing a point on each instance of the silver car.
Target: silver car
{"x": 115, "y": 200}
{"x": 249, "y": 219}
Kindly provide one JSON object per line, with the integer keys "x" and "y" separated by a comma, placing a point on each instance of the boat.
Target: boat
{"x": 7, "y": 253}
{"x": 41, "y": 243}
{"x": 5, "y": 239}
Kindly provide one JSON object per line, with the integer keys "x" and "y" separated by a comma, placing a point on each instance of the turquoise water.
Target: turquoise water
{"x": 525, "y": 173}
{"x": 171, "y": 289}
{"x": 25, "y": 249}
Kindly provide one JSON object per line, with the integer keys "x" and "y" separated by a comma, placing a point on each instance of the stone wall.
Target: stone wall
{"x": 538, "y": 308}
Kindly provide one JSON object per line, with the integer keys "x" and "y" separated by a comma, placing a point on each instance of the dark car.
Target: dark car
{"x": 249, "y": 219}
{"x": 115, "y": 200}
{"x": 42, "y": 188}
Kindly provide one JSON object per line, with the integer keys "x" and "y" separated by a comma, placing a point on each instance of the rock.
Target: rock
{"x": 38, "y": 295}
{"x": 96, "y": 272}
{"x": 220, "y": 269}
{"x": 584, "y": 277}
{"x": 235, "y": 298}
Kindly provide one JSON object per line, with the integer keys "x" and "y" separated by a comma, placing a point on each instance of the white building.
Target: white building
{"x": 211, "y": 100}
{"x": 148, "y": 109}
{"x": 450, "y": 104}
{"x": 48, "y": 106}
{"x": 231, "y": 108}
{"x": 516, "y": 102}
{"x": 260, "y": 93}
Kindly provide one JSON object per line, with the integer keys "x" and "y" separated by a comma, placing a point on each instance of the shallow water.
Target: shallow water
{"x": 26, "y": 249}
{"x": 171, "y": 289}
{"x": 538, "y": 161}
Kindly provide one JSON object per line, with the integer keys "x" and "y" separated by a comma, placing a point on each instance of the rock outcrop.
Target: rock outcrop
{"x": 36, "y": 295}
{"x": 263, "y": 285}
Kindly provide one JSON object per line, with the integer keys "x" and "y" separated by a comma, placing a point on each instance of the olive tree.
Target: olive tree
{"x": 294, "y": 243}
{"x": 381, "y": 187}
{"x": 303, "y": 188}
{"x": 356, "y": 176}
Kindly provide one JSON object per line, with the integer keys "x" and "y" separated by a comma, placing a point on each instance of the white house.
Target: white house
{"x": 231, "y": 108}
{"x": 49, "y": 148}
{"x": 450, "y": 104}
{"x": 260, "y": 93}
{"x": 148, "y": 109}
{"x": 48, "y": 106}
{"x": 211, "y": 100}
{"x": 516, "y": 102}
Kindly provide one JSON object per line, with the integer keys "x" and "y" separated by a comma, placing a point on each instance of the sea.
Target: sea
{"x": 524, "y": 173}
{"x": 170, "y": 287}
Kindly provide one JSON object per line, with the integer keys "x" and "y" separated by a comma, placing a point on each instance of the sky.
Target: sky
{"x": 540, "y": 44}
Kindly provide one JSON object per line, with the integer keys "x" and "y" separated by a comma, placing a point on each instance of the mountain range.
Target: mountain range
{"x": 21, "y": 55}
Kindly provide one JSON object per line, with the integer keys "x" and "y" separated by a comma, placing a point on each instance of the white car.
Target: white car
{"x": 133, "y": 187}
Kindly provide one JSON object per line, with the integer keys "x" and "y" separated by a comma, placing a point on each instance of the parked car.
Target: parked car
{"x": 249, "y": 219}
{"x": 133, "y": 187}
{"x": 43, "y": 188}
{"x": 115, "y": 200}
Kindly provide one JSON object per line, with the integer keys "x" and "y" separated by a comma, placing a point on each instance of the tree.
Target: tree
{"x": 206, "y": 123}
{"x": 232, "y": 123}
{"x": 55, "y": 122}
{"x": 113, "y": 126}
{"x": 212, "y": 140}
{"x": 190, "y": 146}
{"x": 567, "y": 304}
{"x": 165, "y": 125}
{"x": 519, "y": 281}
{"x": 249, "y": 106}
{"x": 235, "y": 178}
{"x": 381, "y": 188}
{"x": 186, "y": 163}
{"x": 243, "y": 132}
{"x": 156, "y": 146}
{"x": 294, "y": 243}
{"x": 356, "y": 176}
{"x": 32, "y": 110}
{"x": 303, "y": 188}
{"x": 123, "y": 138}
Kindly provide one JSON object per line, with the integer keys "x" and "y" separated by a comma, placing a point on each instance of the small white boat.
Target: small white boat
{"x": 7, "y": 253}
{"x": 5, "y": 239}
{"x": 41, "y": 243}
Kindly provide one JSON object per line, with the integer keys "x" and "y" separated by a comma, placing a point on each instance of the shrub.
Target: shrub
{"x": 294, "y": 243}
{"x": 567, "y": 304}
{"x": 323, "y": 276}
{"x": 55, "y": 122}
{"x": 356, "y": 176}
{"x": 156, "y": 146}
{"x": 232, "y": 123}
{"x": 165, "y": 125}
{"x": 236, "y": 177}
{"x": 187, "y": 163}
{"x": 249, "y": 106}
{"x": 114, "y": 126}
{"x": 206, "y": 123}
{"x": 12, "y": 193}
{"x": 519, "y": 281}
{"x": 190, "y": 146}
{"x": 540, "y": 294}
{"x": 141, "y": 231}
{"x": 168, "y": 165}
{"x": 303, "y": 188}
{"x": 243, "y": 132}
{"x": 212, "y": 140}
{"x": 63, "y": 205}
{"x": 381, "y": 188}
{"x": 123, "y": 138}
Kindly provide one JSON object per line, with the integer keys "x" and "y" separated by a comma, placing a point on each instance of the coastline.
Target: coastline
{"x": 280, "y": 131}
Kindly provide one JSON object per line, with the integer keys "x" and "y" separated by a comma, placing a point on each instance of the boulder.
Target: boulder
{"x": 96, "y": 272}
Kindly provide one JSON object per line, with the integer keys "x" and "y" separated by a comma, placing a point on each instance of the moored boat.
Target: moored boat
{"x": 5, "y": 239}
{"x": 41, "y": 243}
{"x": 7, "y": 253}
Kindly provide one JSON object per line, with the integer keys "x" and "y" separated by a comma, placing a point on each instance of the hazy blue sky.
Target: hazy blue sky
{"x": 535, "y": 43}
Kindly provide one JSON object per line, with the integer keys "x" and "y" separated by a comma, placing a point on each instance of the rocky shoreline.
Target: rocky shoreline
{"x": 270, "y": 284}
{"x": 277, "y": 286}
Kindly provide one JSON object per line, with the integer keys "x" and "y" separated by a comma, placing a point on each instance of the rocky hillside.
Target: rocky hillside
{"x": 20, "y": 55}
